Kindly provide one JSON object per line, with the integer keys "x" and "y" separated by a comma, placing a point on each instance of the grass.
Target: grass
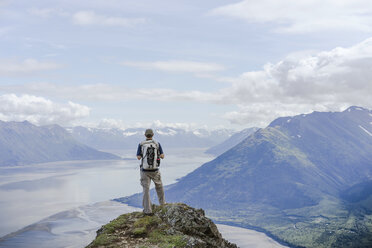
{"x": 103, "y": 240}
{"x": 134, "y": 225}
{"x": 165, "y": 240}
{"x": 147, "y": 221}
{"x": 116, "y": 224}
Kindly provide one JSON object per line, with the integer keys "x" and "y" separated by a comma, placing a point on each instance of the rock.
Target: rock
{"x": 172, "y": 225}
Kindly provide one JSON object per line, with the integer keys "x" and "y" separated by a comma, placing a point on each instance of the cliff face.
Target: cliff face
{"x": 172, "y": 225}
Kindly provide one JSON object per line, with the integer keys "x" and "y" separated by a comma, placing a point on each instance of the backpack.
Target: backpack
{"x": 150, "y": 155}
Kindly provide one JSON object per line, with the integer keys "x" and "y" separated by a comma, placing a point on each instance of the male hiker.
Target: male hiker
{"x": 150, "y": 152}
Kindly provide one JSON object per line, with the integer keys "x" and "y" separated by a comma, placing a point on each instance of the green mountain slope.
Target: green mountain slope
{"x": 295, "y": 180}
{"x": 288, "y": 179}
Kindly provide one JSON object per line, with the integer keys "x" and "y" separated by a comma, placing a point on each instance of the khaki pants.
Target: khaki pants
{"x": 146, "y": 177}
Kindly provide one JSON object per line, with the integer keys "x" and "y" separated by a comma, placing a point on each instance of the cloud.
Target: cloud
{"x": 325, "y": 81}
{"x": 110, "y": 123}
{"x": 39, "y": 110}
{"x": 27, "y": 66}
{"x": 109, "y": 93}
{"x": 176, "y": 66}
{"x": 87, "y": 18}
{"x": 300, "y": 83}
{"x": 303, "y": 16}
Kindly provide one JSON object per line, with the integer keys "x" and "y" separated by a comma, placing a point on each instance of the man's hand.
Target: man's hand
{"x": 161, "y": 156}
{"x": 139, "y": 157}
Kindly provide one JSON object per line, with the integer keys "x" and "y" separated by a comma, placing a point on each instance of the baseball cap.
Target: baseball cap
{"x": 149, "y": 132}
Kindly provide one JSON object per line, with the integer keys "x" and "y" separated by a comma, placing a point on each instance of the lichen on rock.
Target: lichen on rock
{"x": 172, "y": 225}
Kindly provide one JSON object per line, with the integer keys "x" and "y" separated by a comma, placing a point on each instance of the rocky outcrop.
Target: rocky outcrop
{"x": 172, "y": 225}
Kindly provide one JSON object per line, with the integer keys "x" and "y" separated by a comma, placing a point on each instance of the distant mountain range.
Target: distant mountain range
{"x": 25, "y": 143}
{"x": 304, "y": 180}
{"x": 235, "y": 139}
{"x": 114, "y": 138}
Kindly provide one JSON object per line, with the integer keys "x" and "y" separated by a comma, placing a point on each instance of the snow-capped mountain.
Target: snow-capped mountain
{"x": 114, "y": 138}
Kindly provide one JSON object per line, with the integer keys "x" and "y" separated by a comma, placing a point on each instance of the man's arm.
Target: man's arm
{"x": 139, "y": 152}
{"x": 161, "y": 151}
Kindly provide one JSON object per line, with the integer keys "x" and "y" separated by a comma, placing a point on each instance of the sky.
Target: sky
{"x": 190, "y": 64}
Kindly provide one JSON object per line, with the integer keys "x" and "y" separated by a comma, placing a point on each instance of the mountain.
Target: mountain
{"x": 25, "y": 143}
{"x": 115, "y": 138}
{"x": 235, "y": 139}
{"x": 304, "y": 180}
{"x": 172, "y": 225}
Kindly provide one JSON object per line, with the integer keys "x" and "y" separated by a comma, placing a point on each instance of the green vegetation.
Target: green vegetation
{"x": 165, "y": 240}
{"x": 103, "y": 240}
{"x": 331, "y": 223}
{"x": 116, "y": 224}
{"x": 129, "y": 227}
{"x": 147, "y": 221}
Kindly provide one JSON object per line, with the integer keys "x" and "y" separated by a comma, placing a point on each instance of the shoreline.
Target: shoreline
{"x": 261, "y": 230}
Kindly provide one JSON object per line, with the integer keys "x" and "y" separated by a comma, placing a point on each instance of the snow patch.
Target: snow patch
{"x": 299, "y": 136}
{"x": 289, "y": 120}
{"x": 370, "y": 115}
{"x": 349, "y": 110}
{"x": 365, "y": 130}
{"x": 359, "y": 109}
{"x": 170, "y": 132}
{"x": 127, "y": 134}
{"x": 197, "y": 133}
{"x": 69, "y": 130}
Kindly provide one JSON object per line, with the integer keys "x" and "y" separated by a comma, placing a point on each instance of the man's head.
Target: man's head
{"x": 149, "y": 133}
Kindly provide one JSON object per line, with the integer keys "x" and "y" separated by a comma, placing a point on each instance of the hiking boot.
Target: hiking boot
{"x": 148, "y": 214}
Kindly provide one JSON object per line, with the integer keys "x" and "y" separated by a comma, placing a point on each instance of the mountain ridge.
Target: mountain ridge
{"x": 116, "y": 138}
{"x": 232, "y": 141}
{"x": 25, "y": 143}
{"x": 287, "y": 179}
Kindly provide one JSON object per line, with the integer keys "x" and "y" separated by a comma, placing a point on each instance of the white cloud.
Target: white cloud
{"x": 86, "y": 18}
{"x": 11, "y": 67}
{"x": 107, "y": 92}
{"x": 326, "y": 81}
{"x": 111, "y": 123}
{"x": 301, "y": 83}
{"x": 39, "y": 110}
{"x": 303, "y": 16}
{"x": 176, "y": 66}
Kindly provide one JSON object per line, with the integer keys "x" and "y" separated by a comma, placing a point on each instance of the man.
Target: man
{"x": 150, "y": 152}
